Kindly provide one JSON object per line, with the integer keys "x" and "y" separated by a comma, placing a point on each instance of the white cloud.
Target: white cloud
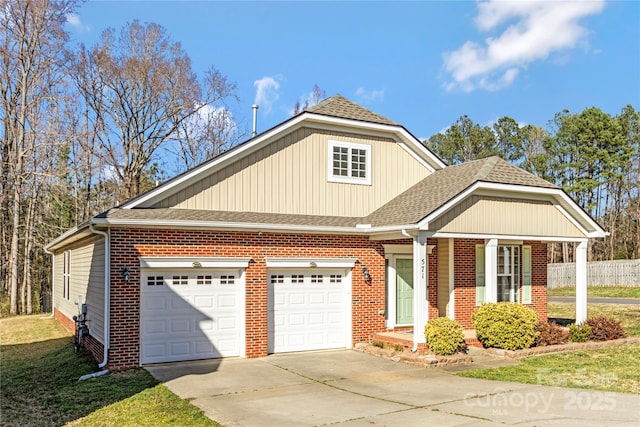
{"x": 536, "y": 29}
{"x": 73, "y": 19}
{"x": 368, "y": 96}
{"x": 266, "y": 92}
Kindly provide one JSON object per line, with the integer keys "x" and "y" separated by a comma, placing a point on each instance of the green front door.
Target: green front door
{"x": 404, "y": 291}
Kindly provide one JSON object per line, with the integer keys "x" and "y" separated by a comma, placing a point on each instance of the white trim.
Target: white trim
{"x": 581, "y": 282}
{"x": 440, "y": 235}
{"x": 348, "y": 179}
{"x": 398, "y": 249}
{"x": 420, "y": 289}
{"x": 311, "y": 262}
{"x": 193, "y": 263}
{"x": 452, "y": 296}
{"x": 491, "y": 270}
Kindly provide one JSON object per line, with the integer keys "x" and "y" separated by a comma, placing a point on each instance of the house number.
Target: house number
{"x": 422, "y": 267}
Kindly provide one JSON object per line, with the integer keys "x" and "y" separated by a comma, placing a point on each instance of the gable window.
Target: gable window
{"x": 349, "y": 162}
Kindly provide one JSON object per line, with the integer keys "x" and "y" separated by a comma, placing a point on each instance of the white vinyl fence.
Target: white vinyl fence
{"x": 599, "y": 273}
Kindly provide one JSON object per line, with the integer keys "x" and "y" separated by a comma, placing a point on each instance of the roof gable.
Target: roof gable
{"x": 438, "y": 188}
{"x": 336, "y": 113}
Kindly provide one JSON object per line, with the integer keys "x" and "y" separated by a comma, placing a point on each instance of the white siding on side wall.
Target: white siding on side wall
{"x": 289, "y": 176}
{"x": 86, "y": 283}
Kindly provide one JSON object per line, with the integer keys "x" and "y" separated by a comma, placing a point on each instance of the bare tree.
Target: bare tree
{"x": 312, "y": 99}
{"x": 31, "y": 44}
{"x": 205, "y": 135}
{"x": 140, "y": 88}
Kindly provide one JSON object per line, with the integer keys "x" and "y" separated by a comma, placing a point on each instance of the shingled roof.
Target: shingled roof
{"x": 339, "y": 106}
{"x": 438, "y": 188}
{"x": 173, "y": 214}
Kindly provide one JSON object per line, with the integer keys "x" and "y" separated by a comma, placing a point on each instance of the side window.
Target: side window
{"x": 349, "y": 163}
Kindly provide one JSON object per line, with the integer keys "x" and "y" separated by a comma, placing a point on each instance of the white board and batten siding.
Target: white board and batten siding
{"x": 86, "y": 283}
{"x": 191, "y": 313}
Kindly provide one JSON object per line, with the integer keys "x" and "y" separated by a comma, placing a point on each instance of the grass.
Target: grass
{"x": 611, "y": 369}
{"x": 598, "y": 291}
{"x": 628, "y": 314}
{"x": 39, "y": 372}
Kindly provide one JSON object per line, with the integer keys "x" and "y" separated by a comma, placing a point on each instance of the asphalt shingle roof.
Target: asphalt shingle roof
{"x": 172, "y": 214}
{"x": 339, "y": 106}
{"x": 441, "y": 186}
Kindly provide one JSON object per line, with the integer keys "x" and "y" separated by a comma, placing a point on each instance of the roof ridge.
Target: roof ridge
{"x": 339, "y": 106}
{"x": 487, "y": 167}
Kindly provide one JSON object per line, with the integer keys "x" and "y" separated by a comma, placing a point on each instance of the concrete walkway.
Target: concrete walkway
{"x": 599, "y": 300}
{"x": 349, "y": 388}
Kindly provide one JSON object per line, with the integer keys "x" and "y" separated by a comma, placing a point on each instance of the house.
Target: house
{"x": 332, "y": 226}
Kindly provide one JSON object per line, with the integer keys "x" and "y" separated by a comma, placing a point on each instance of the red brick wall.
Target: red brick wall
{"x": 464, "y": 273}
{"x": 465, "y": 279}
{"x": 433, "y": 280}
{"x": 538, "y": 278}
{"x": 94, "y": 346}
{"x": 127, "y": 245}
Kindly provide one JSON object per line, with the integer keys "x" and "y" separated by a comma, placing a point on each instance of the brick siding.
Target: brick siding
{"x": 368, "y": 298}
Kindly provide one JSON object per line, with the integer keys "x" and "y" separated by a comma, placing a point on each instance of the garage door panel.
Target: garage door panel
{"x": 308, "y": 311}
{"x": 189, "y": 316}
{"x": 227, "y": 301}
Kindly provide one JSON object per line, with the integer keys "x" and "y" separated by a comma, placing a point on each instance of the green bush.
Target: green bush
{"x": 579, "y": 333}
{"x": 605, "y": 328}
{"x": 444, "y": 336}
{"x": 506, "y": 325}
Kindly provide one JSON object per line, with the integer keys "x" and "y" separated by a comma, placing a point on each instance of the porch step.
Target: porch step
{"x": 404, "y": 339}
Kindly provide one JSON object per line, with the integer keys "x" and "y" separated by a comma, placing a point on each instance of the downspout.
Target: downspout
{"x": 53, "y": 293}
{"x": 107, "y": 296}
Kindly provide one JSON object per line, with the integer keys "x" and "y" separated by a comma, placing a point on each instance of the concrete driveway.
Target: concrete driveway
{"x": 348, "y": 388}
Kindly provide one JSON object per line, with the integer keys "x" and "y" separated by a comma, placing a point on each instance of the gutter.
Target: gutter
{"x": 107, "y": 294}
{"x": 363, "y": 229}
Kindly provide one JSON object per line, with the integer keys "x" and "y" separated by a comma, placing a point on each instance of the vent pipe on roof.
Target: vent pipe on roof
{"x": 255, "y": 120}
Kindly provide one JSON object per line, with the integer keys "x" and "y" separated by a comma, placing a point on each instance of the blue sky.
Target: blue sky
{"x": 420, "y": 63}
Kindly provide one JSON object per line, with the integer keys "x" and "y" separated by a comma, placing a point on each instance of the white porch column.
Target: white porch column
{"x": 581, "y": 282}
{"x": 420, "y": 284}
{"x": 491, "y": 270}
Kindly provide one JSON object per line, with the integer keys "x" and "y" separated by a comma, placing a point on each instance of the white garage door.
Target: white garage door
{"x": 187, "y": 315}
{"x": 309, "y": 310}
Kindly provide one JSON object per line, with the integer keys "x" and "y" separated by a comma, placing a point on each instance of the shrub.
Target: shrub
{"x": 579, "y": 333}
{"x": 444, "y": 336}
{"x": 506, "y": 325}
{"x": 550, "y": 334}
{"x": 605, "y": 328}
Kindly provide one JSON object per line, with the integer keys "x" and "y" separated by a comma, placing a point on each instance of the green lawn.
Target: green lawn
{"x": 598, "y": 291}
{"x": 611, "y": 369}
{"x": 40, "y": 371}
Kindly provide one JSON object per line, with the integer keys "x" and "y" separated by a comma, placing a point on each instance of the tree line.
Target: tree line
{"x": 82, "y": 127}
{"x": 592, "y": 155}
